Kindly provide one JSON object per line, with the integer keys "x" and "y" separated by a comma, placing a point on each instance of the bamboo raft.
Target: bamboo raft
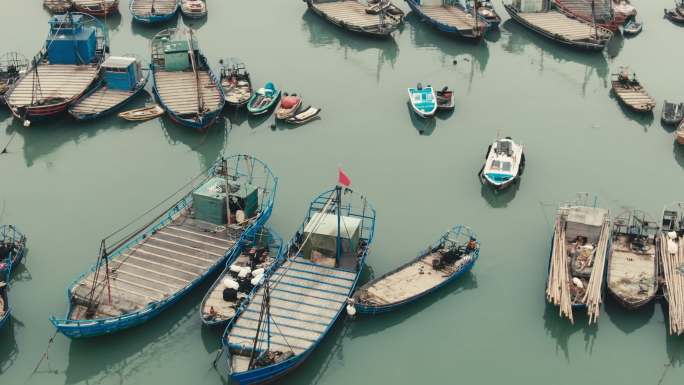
{"x": 578, "y": 259}
{"x": 671, "y": 255}
{"x": 57, "y": 6}
{"x": 631, "y": 92}
{"x": 354, "y": 16}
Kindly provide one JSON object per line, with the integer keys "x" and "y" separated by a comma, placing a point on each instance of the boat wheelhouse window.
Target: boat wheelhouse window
{"x": 496, "y": 165}
{"x": 506, "y": 166}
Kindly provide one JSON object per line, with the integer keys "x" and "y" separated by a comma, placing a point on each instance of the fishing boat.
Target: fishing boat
{"x": 298, "y": 305}
{"x": 540, "y": 17}
{"x": 673, "y": 113}
{"x": 142, "y": 114}
{"x": 632, "y": 265}
{"x": 679, "y": 133}
{"x": 445, "y": 99}
{"x": 194, "y": 9}
{"x": 631, "y": 26}
{"x": 12, "y": 66}
{"x": 600, "y": 12}
{"x": 241, "y": 278}
{"x": 670, "y": 245}
{"x": 630, "y": 92}
{"x": 504, "y": 163}
{"x": 153, "y": 11}
{"x": 263, "y": 99}
{"x": 288, "y": 107}
{"x": 57, "y": 6}
{"x": 96, "y": 7}
{"x": 423, "y": 100}
{"x": 64, "y": 70}
{"x": 443, "y": 262}
{"x": 151, "y": 267}
{"x": 184, "y": 85}
{"x": 577, "y": 263}
{"x": 375, "y": 18}
{"x": 12, "y": 249}
{"x": 450, "y": 17}
{"x": 236, "y": 83}
{"x": 306, "y": 115}
{"x": 122, "y": 80}
{"x": 5, "y": 311}
{"x": 486, "y": 11}
{"x": 676, "y": 14}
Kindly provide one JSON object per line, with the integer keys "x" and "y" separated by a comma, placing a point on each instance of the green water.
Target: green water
{"x": 67, "y": 185}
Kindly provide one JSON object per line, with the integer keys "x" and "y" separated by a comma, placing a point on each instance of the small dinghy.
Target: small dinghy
{"x": 263, "y": 99}
{"x": 142, "y": 114}
{"x": 376, "y": 7}
{"x": 628, "y": 89}
{"x": 307, "y": 115}
{"x": 445, "y": 99}
{"x": 241, "y": 278}
{"x": 123, "y": 79}
{"x": 288, "y": 107}
{"x": 443, "y": 262}
{"x": 96, "y": 7}
{"x": 57, "y": 6}
{"x": 676, "y": 14}
{"x": 485, "y": 11}
{"x": 423, "y": 100}
{"x": 673, "y": 113}
{"x": 632, "y": 264}
{"x": 12, "y": 249}
{"x": 505, "y": 162}
{"x": 632, "y": 26}
{"x": 679, "y": 134}
{"x": 4, "y": 304}
{"x": 236, "y": 83}
{"x": 194, "y": 9}
{"x": 153, "y": 11}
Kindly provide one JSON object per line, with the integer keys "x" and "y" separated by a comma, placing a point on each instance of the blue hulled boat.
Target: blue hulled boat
{"x": 443, "y": 262}
{"x": 154, "y": 266}
{"x": 297, "y": 306}
{"x": 451, "y": 17}
{"x": 153, "y": 11}
{"x": 184, "y": 84}
{"x": 242, "y": 277}
{"x": 423, "y": 100}
{"x": 12, "y": 249}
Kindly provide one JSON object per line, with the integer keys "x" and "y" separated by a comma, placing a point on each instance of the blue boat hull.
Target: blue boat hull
{"x": 5, "y": 318}
{"x": 152, "y": 19}
{"x": 445, "y": 28}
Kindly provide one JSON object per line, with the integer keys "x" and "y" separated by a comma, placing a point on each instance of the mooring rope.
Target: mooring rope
{"x": 45, "y": 355}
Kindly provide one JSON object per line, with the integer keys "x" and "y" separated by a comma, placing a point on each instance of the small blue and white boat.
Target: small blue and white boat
{"x": 443, "y": 262}
{"x": 505, "y": 162}
{"x": 153, "y": 267}
{"x": 298, "y": 305}
{"x": 485, "y": 11}
{"x": 122, "y": 80}
{"x": 5, "y": 311}
{"x": 450, "y": 17}
{"x": 423, "y": 100}
{"x": 12, "y": 250}
{"x": 153, "y": 11}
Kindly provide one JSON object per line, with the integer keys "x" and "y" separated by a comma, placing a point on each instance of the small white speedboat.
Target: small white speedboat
{"x": 504, "y": 164}
{"x": 423, "y": 101}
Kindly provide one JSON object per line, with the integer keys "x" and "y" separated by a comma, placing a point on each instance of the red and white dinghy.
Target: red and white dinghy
{"x": 288, "y": 107}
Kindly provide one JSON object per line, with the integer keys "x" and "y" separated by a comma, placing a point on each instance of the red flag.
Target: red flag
{"x": 342, "y": 178}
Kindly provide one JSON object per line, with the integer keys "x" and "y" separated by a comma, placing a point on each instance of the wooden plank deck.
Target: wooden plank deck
{"x": 303, "y": 303}
{"x": 57, "y": 81}
{"x": 102, "y": 99}
{"x": 349, "y": 12}
{"x": 160, "y": 266}
{"x": 631, "y": 275}
{"x": 178, "y": 90}
{"x": 555, "y": 22}
{"x": 144, "y": 7}
{"x": 449, "y": 15}
{"x": 635, "y": 97}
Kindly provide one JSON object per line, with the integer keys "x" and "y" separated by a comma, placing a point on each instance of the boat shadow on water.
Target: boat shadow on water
{"x": 628, "y": 321}
{"x": 560, "y": 329}
{"x": 194, "y": 23}
{"x": 643, "y": 119}
{"x": 148, "y": 31}
{"x": 208, "y": 145}
{"x": 674, "y": 345}
{"x": 424, "y": 126}
{"x": 113, "y": 21}
{"x": 499, "y": 198}
{"x": 9, "y": 350}
{"x": 678, "y": 152}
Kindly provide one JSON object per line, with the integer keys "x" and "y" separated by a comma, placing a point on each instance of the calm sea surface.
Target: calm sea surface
{"x": 67, "y": 185}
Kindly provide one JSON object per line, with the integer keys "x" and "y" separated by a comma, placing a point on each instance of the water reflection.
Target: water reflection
{"x": 628, "y": 320}
{"x": 560, "y": 329}
{"x": 208, "y": 145}
{"x": 424, "y": 126}
{"x": 499, "y": 198}
{"x": 645, "y": 120}
{"x": 322, "y": 33}
{"x": 9, "y": 350}
{"x": 194, "y": 23}
{"x": 113, "y": 22}
{"x": 678, "y": 152}
{"x": 148, "y": 31}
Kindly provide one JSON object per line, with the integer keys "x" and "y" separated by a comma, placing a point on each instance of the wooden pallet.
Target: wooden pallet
{"x": 57, "y": 81}
{"x": 178, "y": 91}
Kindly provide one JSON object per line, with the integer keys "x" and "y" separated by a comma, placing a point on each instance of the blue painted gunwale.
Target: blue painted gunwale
{"x": 152, "y": 19}
{"x": 446, "y": 28}
{"x": 10, "y": 233}
{"x": 275, "y": 247}
{"x": 85, "y": 117}
{"x": 273, "y": 372}
{"x": 91, "y": 328}
{"x": 264, "y": 109}
{"x": 372, "y": 310}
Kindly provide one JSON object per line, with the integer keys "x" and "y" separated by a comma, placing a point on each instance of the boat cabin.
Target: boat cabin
{"x": 531, "y": 5}
{"x": 321, "y": 246}
{"x": 176, "y": 55}
{"x": 121, "y": 73}
{"x": 219, "y": 202}
{"x": 672, "y": 222}
{"x": 586, "y": 223}
{"x": 70, "y": 41}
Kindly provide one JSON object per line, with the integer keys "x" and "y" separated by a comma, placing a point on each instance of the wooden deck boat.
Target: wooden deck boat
{"x": 423, "y": 100}
{"x": 12, "y": 250}
{"x": 194, "y": 9}
{"x": 673, "y": 113}
{"x": 375, "y": 18}
{"x": 142, "y": 114}
{"x": 153, "y": 11}
{"x": 236, "y": 83}
{"x": 96, "y": 7}
{"x": 288, "y": 107}
{"x": 632, "y": 27}
{"x": 445, "y": 99}
{"x": 184, "y": 84}
{"x": 66, "y": 67}
{"x": 12, "y": 66}
{"x": 486, "y": 11}
{"x": 123, "y": 79}
{"x": 264, "y": 99}
{"x": 57, "y": 6}
{"x": 632, "y": 265}
{"x": 241, "y": 278}
{"x": 629, "y": 91}
{"x": 559, "y": 27}
{"x": 578, "y": 258}
{"x": 670, "y": 245}
{"x": 304, "y": 297}
{"x": 679, "y": 133}
{"x": 504, "y": 163}
{"x": 151, "y": 268}
{"x": 5, "y": 311}
{"x": 306, "y": 115}
{"x": 446, "y": 260}
{"x": 600, "y": 12}
{"x": 676, "y": 14}
{"x": 450, "y": 17}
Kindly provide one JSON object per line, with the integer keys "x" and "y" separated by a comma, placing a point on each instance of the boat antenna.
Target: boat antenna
{"x": 191, "y": 52}
{"x": 339, "y": 204}
{"x": 102, "y": 257}
{"x": 593, "y": 18}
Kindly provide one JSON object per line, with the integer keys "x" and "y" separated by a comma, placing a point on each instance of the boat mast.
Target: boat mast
{"x": 191, "y": 52}
{"x": 339, "y": 244}
{"x": 593, "y": 17}
{"x": 264, "y": 315}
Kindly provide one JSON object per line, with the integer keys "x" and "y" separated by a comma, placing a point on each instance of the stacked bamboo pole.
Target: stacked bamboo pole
{"x": 673, "y": 272}
{"x": 557, "y": 285}
{"x": 593, "y": 296}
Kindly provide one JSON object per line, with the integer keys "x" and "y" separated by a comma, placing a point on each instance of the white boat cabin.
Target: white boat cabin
{"x": 321, "y": 246}
{"x": 503, "y": 162}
